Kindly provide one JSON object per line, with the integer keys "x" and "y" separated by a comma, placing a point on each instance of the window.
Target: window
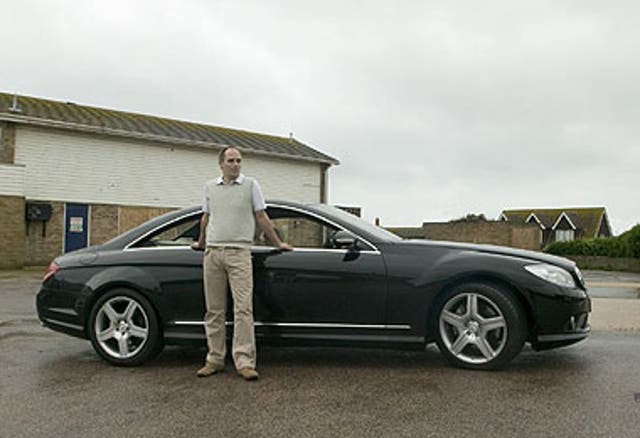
{"x": 298, "y": 230}
{"x": 564, "y": 235}
{"x": 182, "y": 233}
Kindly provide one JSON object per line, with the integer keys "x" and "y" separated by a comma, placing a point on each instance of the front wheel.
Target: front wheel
{"x": 124, "y": 328}
{"x": 480, "y": 326}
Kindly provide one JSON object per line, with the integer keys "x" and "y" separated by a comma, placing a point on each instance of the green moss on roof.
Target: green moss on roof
{"x": 84, "y": 118}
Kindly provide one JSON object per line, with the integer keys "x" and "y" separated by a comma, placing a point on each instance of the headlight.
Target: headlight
{"x": 552, "y": 274}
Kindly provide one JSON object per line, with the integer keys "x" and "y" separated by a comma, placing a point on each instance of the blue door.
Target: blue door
{"x": 76, "y": 227}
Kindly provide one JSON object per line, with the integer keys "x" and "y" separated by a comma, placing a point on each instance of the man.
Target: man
{"x": 232, "y": 205}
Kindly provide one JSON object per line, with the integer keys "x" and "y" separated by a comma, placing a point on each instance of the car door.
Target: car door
{"x": 165, "y": 255}
{"x": 317, "y": 287}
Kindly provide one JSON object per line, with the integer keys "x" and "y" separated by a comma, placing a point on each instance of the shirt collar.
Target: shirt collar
{"x": 238, "y": 180}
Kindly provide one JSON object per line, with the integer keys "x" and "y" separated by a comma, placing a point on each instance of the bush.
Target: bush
{"x": 602, "y": 246}
{"x": 632, "y": 241}
{"x": 625, "y": 245}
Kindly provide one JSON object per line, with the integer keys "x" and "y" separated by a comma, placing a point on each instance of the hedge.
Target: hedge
{"x": 632, "y": 239}
{"x": 625, "y": 245}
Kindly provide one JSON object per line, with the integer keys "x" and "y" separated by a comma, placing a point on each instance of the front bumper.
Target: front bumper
{"x": 561, "y": 320}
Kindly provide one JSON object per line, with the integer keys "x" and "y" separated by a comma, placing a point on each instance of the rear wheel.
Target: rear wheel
{"x": 480, "y": 326}
{"x": 124, "y": 328}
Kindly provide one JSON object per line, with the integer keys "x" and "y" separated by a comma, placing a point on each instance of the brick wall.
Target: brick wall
{"x": 12, "y": 232}
{"x": 103, "y": 224}
{"x": 109, "y": 221}
{"x": 525, "y": 236}
{"x": 44, "y": 240}
{"x": 130, "y": 217}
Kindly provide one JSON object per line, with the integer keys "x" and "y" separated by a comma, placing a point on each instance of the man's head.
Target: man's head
{"x": 229, "y": 160}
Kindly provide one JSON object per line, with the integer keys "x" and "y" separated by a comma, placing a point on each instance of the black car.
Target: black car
{"x": 346, "y": 283}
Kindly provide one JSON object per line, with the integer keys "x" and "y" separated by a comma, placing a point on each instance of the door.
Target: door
{"x": 76, "y": 226}
{"x": 317, "y": 286}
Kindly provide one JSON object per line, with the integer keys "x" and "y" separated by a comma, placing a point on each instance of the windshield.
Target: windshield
{"x": 357, "y": 223}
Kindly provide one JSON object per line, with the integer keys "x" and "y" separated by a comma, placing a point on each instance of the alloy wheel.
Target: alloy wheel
{"x": 121, "y": 327}
{"x": 473, "y": 328}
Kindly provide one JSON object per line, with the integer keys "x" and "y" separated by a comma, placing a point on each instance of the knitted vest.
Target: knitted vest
{"x": 231, "y": 220}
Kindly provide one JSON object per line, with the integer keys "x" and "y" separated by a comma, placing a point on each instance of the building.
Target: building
{"x": 563, "y": 224}
{"x": 74, "y": 175}
{"x": 515, "y": 235}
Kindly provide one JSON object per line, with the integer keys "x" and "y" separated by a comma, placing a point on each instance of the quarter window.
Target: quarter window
{"x": 182, "y": 233}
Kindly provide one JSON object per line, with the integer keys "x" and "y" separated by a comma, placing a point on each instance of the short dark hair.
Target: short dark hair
{"x": 223, "y": 152}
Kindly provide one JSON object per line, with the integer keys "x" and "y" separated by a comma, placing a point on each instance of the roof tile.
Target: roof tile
{"x": 87, "y": 118}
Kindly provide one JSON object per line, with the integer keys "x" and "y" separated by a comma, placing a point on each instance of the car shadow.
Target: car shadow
{"x": 528, "y": 361}
{"x": 547, "y": 365}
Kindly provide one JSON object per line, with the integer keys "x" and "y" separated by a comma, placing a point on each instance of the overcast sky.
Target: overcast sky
{"x": 434, "y": 109}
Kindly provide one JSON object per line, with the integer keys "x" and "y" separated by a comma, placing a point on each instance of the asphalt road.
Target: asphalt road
{"x": 605, "y": 284}
{"x": 54, "y": 385}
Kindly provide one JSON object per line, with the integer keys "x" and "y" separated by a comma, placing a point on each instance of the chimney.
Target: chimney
{"x": 14, "y": 107}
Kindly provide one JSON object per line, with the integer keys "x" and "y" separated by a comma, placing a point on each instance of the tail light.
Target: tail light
{"x": 51, "y": 270}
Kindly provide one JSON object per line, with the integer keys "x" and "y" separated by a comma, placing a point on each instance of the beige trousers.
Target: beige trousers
{"x": 232, "y": 265}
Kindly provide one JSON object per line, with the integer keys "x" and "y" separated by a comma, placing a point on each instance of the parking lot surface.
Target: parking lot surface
{"x": 54, "y": 385}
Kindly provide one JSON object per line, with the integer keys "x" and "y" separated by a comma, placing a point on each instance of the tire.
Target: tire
{"x": 479, "y": 326}
{"x": 124, "y": 328}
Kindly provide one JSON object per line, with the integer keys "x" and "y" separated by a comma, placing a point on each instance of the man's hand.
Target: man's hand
{"x": 285, "y": 246}
{"x": 196, "y": 246}
{"x": 263, "y": 221}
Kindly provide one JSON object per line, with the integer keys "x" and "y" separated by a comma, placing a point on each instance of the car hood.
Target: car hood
{"x": 499, "y": 250}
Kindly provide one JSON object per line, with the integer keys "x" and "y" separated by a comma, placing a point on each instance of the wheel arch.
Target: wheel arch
{"x": 487, "y": 278}
{"x": 134, "y": 279}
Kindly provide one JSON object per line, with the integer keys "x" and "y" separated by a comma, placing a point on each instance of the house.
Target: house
{"x": 563, "y": 224}
{"x": 73, "y": 175}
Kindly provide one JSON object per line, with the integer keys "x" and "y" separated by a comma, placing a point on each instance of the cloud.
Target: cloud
{"x": 435, "y": 109}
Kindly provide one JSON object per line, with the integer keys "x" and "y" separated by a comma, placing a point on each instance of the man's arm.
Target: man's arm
{"x": 201, "y": 243}
{"x": 265, "y": 224}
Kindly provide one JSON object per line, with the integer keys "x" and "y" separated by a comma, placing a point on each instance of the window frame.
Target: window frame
{"x": 134, "y": 244}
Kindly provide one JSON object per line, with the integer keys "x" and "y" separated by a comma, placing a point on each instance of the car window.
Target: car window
{"x": 181, "y": 233}
{"x": 297, "y": 229}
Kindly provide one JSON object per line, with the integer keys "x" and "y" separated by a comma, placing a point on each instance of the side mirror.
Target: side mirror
{"x": 344, "y": 239}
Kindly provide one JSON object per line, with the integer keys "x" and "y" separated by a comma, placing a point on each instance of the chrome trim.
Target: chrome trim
{"x": 309, "y": 325}
{"x": 161, "y": 248}
{"x": 153, "y": 230}
{"x": 565, "y": 336}
{"x": 64, "y": 324}
{"x": 267, "y": 248}
{"x": 334, "y": 250}
{"x": 64, "y": 311}
{"x": 275, "y": 205}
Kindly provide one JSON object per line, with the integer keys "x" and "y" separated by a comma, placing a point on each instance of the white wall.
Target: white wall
{"x": 11, "y": 180}
{"x": 95, "y": 169}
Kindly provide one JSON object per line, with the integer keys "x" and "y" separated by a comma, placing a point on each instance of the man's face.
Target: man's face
{"x": 230, "y": 166}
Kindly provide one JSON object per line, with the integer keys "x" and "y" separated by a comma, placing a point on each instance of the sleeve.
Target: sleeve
{"x": 205, "y": 200}
{"x": 257, "y": 198}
